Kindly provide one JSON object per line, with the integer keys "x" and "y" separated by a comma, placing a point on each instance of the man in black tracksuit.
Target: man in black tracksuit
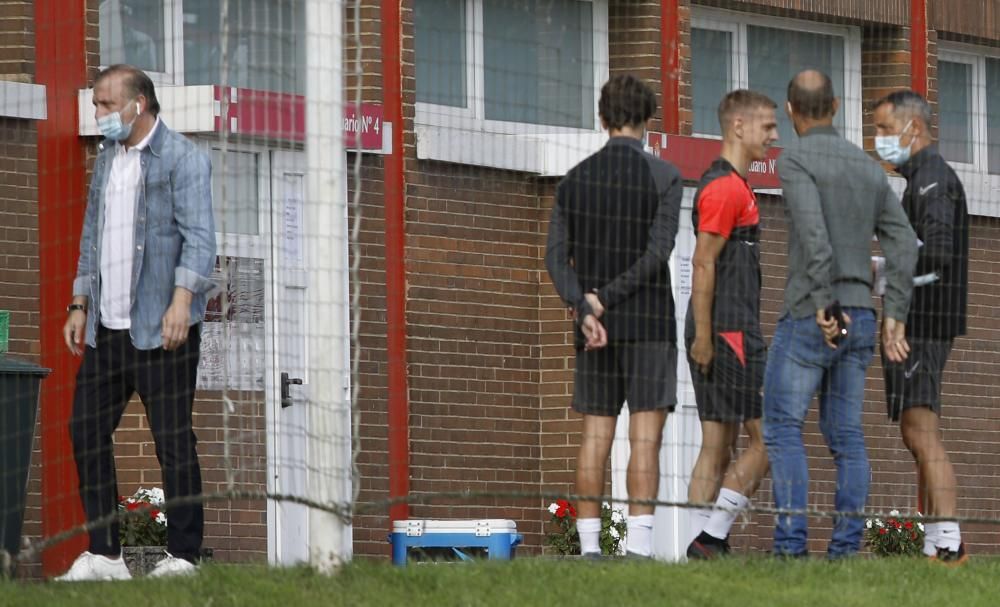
{"x": 612, "y": 230}
{"x": 935, "y": 205}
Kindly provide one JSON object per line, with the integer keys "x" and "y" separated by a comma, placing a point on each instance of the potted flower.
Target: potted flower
{"x": 565, "y": 540}
{"x": 142, "y": 529}
{"x": 895, "y": 536}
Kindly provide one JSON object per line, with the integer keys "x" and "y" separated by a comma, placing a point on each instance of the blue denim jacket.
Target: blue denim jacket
{"x": 174, "y": 242}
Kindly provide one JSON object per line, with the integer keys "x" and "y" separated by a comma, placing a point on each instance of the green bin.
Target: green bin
{"x": 20, "y": 383}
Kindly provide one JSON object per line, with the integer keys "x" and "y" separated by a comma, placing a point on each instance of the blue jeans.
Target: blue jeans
{"x": 799, "y": 366}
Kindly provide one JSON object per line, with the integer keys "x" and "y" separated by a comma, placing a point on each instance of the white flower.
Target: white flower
{"x": 617, "y": 517}
{"x": 553, "y": 507}
{"x": 878, "y": 522}
{"x": 920, "y": 526}
{"x": 155, "y": 496}
{"x": 613, "y": 532}
{"x": 894, "y": 513}
{"x": 868, "y": 523}
{"x": 161, "y": 518}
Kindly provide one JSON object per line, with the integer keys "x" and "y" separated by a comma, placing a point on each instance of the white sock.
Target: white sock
{"x": 697, "y": 519}
{"x": 949, "y": 536}
{"x": 590, "y": 535}
{"x": 730, "y": 504}
{"x": 640, "y": 535}
{"x": 931, "y": 534}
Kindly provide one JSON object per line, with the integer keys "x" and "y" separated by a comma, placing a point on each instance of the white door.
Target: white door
{"x": 287, "y": 423}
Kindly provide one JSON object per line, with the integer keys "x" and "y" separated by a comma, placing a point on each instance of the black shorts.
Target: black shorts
{"x": 644, "y": 373}
{"x": 916, "y": 382}
{"x": 731, "y": 392}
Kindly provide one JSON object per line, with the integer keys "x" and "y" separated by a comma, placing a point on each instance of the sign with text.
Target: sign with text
{"x": 693, "y": 155}
{"x": 282, "y": 116}
{"x": 363, "y": 124}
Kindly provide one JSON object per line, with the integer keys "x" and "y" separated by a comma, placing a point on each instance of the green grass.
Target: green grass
{"x": 548, "y": 583}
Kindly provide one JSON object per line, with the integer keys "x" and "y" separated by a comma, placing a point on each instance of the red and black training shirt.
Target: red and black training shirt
{"x": 725, "y": 205}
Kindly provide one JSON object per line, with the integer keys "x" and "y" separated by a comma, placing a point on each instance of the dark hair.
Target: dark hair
{"x": 811, "y": 101}
{"x": 626, "y": 100}
{"x": 907, "y": 103}
{"x": 136, "y": 83}
{"x": 742, "y": 100}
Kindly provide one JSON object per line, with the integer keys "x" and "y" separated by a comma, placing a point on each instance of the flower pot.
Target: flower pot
{"x": 140, "y": 560}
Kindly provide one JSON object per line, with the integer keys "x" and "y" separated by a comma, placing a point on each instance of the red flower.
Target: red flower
{"x": 908, "y": 524}
{"x": 153, "y": 513}
{"x": 913, "y": 535}
{"x": 133, "y": 506}
{"x": 883, "y": 531}
{"x": 564, "y": 508}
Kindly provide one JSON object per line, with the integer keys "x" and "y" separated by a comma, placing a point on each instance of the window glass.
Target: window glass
{"x": 265, "y": 44}
{"x": 131, "y": 32}
{"x": 955, "y": 111}
{"x": 440, "y": 44}
{"x": 776, "y": 55}
{"x": 237, "y": 211}
{"x": 993, "y": 114}
{"x": 711, "y": 75}
{"x": 539, "y": 62}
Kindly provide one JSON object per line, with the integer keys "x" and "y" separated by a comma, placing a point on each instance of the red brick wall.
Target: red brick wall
{"x": 489, "y": 355}
{"x": 445, "y": 303}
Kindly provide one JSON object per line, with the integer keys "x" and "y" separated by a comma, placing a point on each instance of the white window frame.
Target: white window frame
{"x": 977, "y": 95}
{"x": 736, "y": 23}
{"x": 473, "y": 116}
{"x": 234, "y": 243}
{"x": 982, "y": 188}
{"x": 173, "y": 47}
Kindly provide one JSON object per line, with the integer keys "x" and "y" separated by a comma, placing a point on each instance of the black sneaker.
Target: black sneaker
{"x": 706, "y": 547}
{"x": 951, "y": 558}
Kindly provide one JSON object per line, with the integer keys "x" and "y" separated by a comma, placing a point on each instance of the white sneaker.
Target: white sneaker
{"x": 95, "y": 568}
{"x": 172, "y": 566}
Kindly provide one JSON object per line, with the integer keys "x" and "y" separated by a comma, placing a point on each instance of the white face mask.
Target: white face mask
{"x": 113, "y": 128}
{"x": 890, "y": 150}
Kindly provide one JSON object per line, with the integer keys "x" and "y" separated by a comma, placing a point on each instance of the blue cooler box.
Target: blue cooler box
{"x": 498, "y": 537}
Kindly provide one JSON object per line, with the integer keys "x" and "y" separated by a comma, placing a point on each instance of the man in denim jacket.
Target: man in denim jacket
{"x": 146, "y": 255}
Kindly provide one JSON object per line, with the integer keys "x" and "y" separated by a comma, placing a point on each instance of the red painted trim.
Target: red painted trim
{"x": 918, "y": 46}
{"x": 395, "y": 262}
{"x": 263, "y": 113}
{"x": 670, "y": 54}
{"x": 61, "y": 65}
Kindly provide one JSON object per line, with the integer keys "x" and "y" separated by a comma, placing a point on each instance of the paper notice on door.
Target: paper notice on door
{"x": 293, "y": 223}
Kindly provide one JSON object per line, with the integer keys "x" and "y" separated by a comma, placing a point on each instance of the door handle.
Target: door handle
{"x": 286, "y": 393}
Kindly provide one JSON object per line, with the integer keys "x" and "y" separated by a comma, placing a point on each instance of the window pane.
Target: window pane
{"x": 132, "y": 32}
{"x": 440, "y": 43}
{"x": 955, "y": 109}
{"x": 711, "y": 73}
{"x": 539, "y": 62}
{"x": 265, "y": 50}
{"x": 237, "y": 211}
{"x": 776, "y": 55}
{"x": 993, "y": 113}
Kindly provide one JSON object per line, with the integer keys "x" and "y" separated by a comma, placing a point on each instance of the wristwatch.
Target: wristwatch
{"x": 74, "y": 306}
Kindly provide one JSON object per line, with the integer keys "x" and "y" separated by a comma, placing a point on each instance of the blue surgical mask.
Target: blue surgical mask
{"x": 890, "y": 150}
{"x": 113, "y": 128}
